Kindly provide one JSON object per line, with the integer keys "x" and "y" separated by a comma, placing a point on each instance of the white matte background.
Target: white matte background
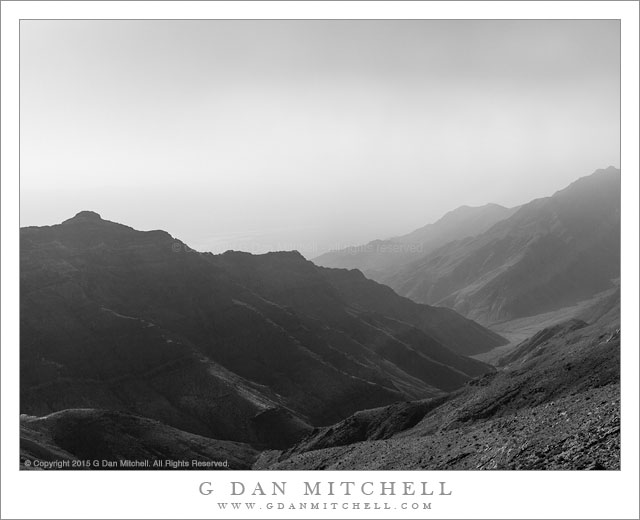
{"x": 175, "y": 494}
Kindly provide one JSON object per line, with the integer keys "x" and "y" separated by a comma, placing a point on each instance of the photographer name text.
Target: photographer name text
{"x": 329, "y": 488}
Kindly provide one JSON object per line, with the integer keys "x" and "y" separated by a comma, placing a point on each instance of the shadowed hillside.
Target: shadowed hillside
{"x": 255, "y": 349}
{"x": 98, "y": 435}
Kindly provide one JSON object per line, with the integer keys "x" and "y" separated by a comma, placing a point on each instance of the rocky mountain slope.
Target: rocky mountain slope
{"x": 106, "y": 438}
{"x": 254, "y": 349}
{"x": 551, "y": 253}
{"x": 380, "y": 258}
{"x": 554, "y": 404}
{"x": 460, "y": 334}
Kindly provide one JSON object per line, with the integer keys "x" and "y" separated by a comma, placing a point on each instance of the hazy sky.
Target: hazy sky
{"x": 262, "y": 135}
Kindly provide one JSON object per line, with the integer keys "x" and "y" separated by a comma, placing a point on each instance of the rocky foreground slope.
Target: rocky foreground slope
{"x": 555, "y": 404}
{"x": 110, "y": 440}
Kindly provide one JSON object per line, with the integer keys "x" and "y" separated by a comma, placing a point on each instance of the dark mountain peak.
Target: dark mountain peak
{"x": 292, "y": 255}
{"x": 347, "y": 274}
{"x": 230, "y": 253}
{"x": 90, "y": 218}
{"x": 91, "y": 215}
{"x": 280, "y": 268}
{"x": 88, "y": 229}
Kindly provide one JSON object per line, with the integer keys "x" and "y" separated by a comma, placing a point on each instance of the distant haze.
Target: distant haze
{"x": 308, "y": 135}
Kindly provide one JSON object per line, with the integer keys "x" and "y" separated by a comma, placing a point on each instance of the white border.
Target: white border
{"x": 174, "y": 495}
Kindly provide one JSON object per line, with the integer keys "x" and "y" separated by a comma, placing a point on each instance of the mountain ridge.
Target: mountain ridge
{"x": 378, "y": 256}
{"x": 253, "y": 348}
{"x": 553, "y": 251}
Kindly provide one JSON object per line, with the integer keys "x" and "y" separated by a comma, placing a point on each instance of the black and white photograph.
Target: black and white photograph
{"x": 320, "y": 244}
